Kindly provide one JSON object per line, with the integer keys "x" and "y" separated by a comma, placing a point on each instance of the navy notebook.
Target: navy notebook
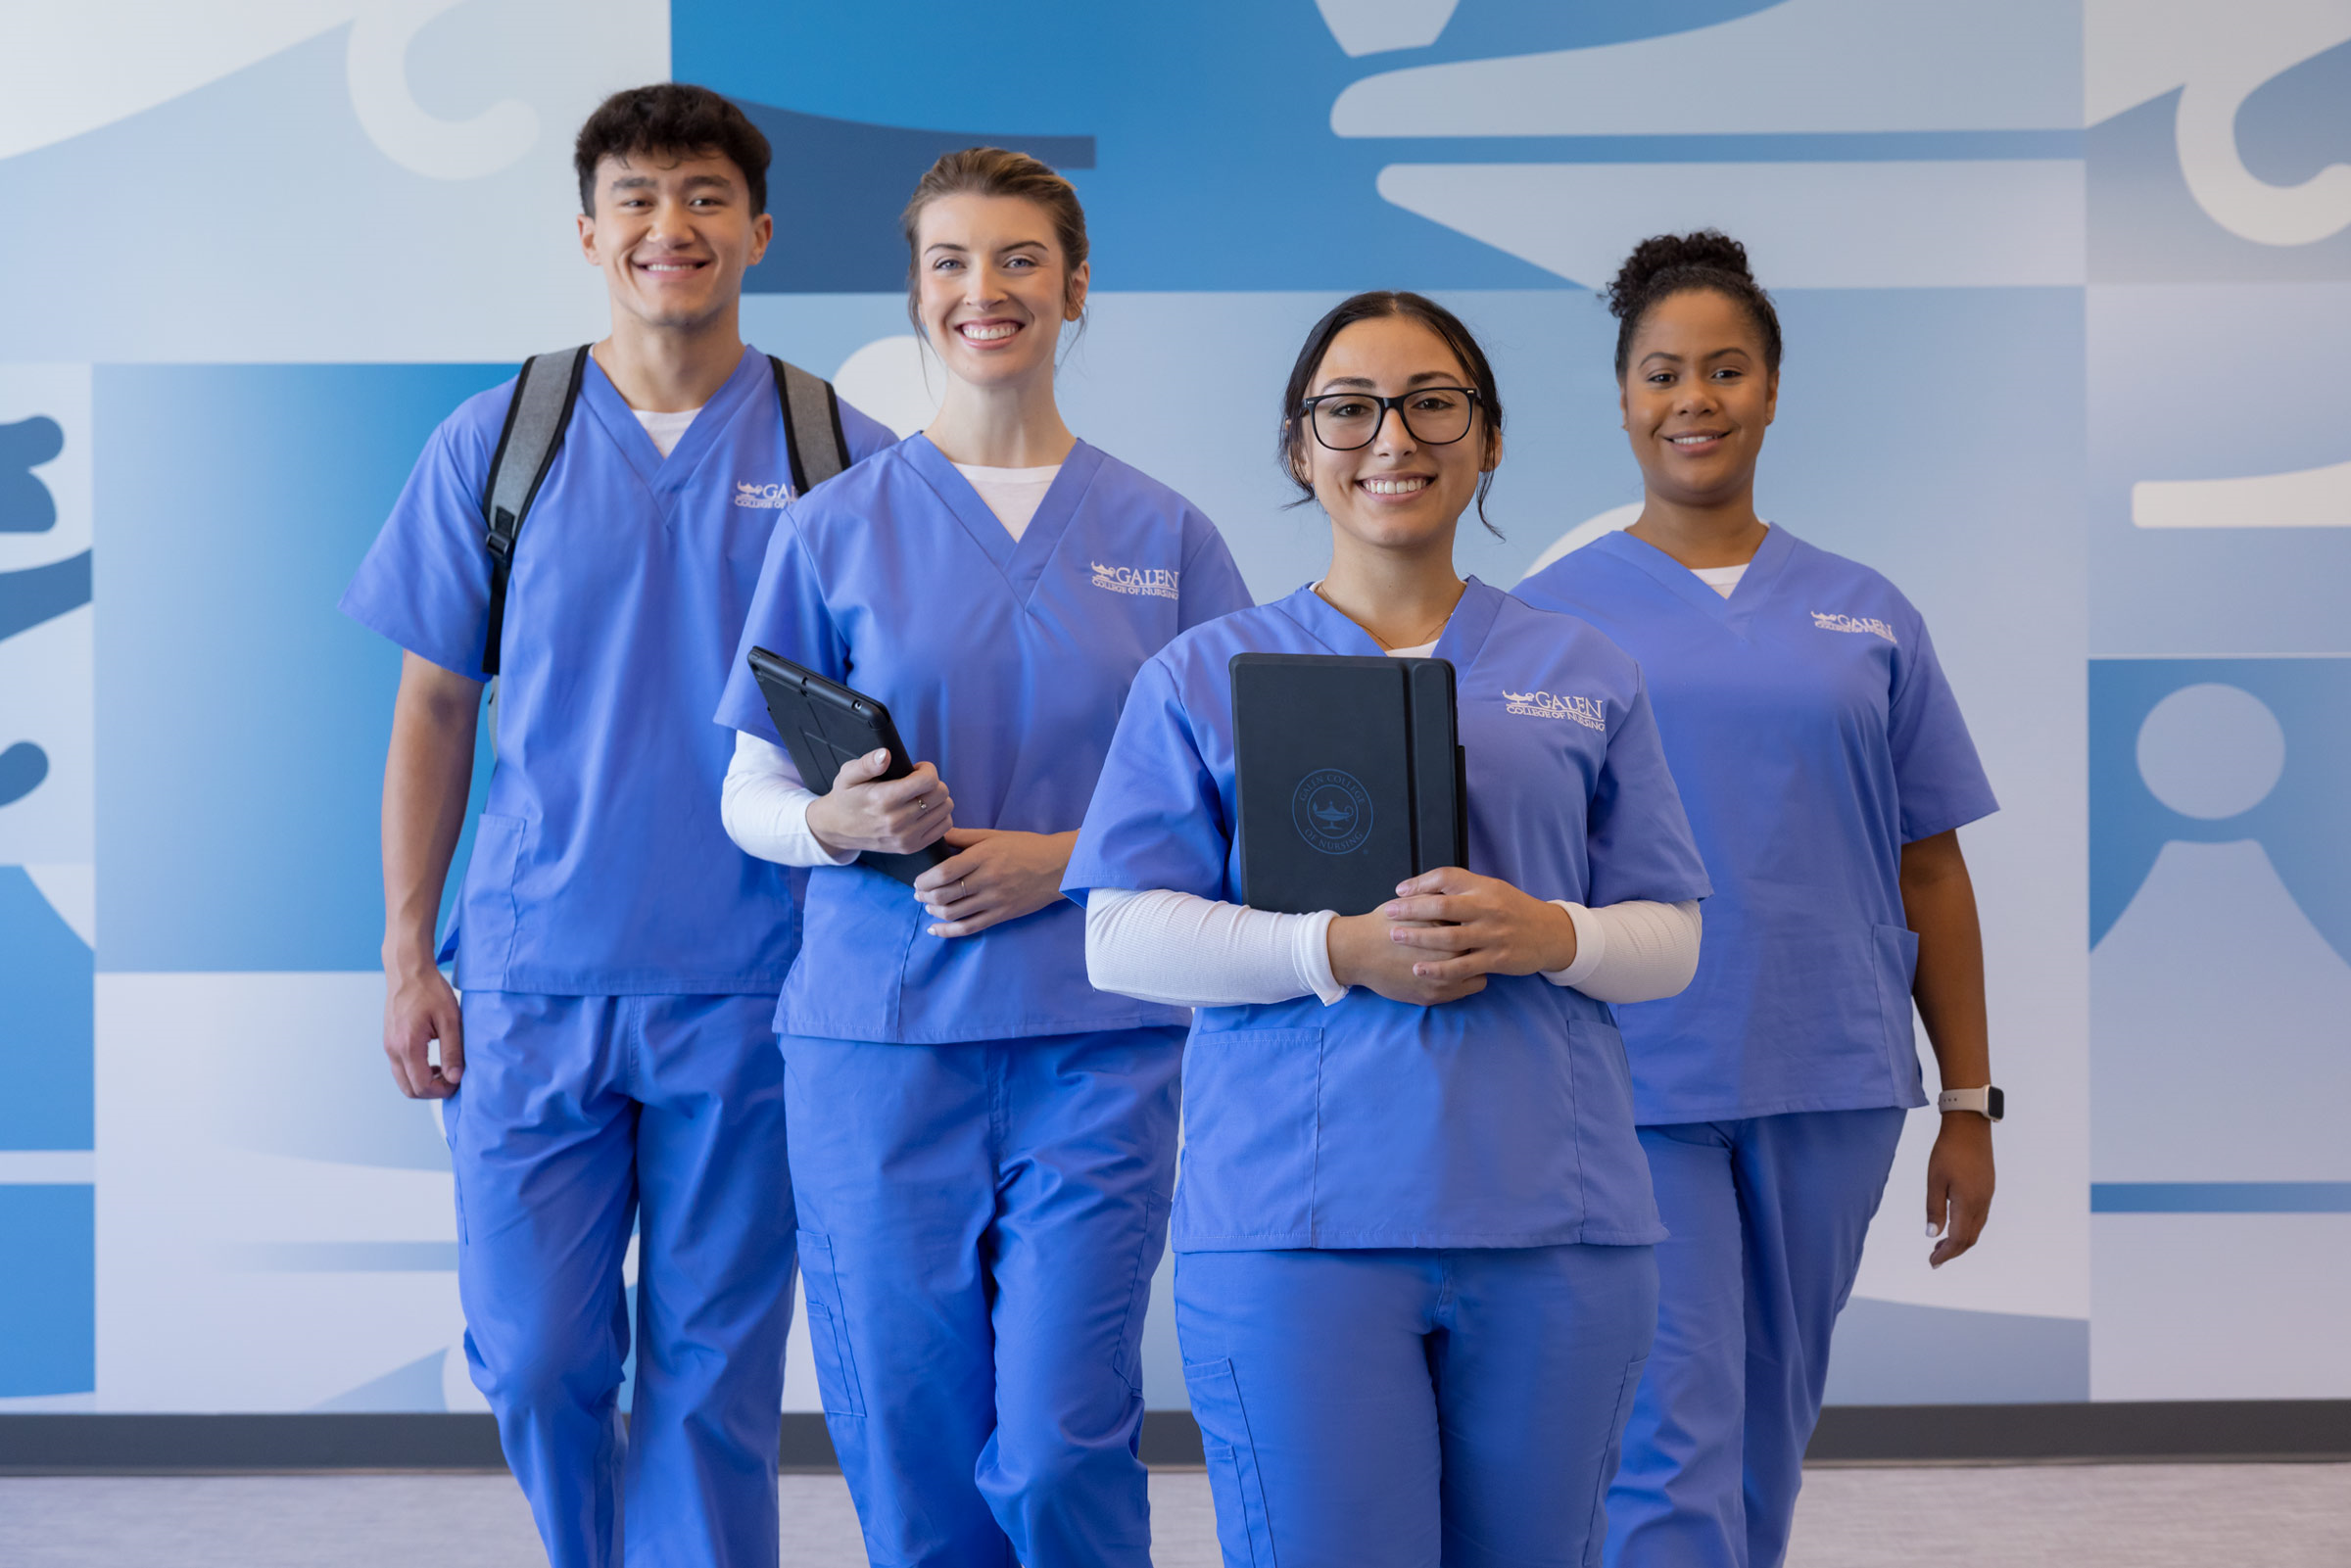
{"x": 1351, "y": 777}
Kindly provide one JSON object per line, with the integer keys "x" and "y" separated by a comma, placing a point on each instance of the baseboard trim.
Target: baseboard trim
{"x": 75, "y": 1443}
{"x": 2083, "y": 1432}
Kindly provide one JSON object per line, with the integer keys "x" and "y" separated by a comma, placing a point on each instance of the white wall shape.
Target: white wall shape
{"x": 69, "y": 68}
{"x": 2218, "y": 56}
{"x": 1372, "y": 27}
{"x": 2220, "y": 1307}
{"x": 2306, "y": 498}
{"x": 1584, "y": 533}
{"x": 432, "y": 150}
{"x": 2239, "y": 1071}
{"x": 895, "y": 380}
{"x": 1808, "y": 225}
{"x": 1805, "y": 66}
{"x": 196, "y": 1309}
{"x": 377, "y": 58}
{"x": 2211, "y": 750}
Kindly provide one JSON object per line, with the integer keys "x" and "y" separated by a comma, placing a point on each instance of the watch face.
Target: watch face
{"x": 1996, "y": 1104}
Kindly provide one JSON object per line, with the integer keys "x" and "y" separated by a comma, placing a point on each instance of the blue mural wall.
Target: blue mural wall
{"x": 2060, "y": 284}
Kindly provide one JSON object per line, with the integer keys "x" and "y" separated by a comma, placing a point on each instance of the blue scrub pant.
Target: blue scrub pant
{"x": 577, "y": 1116}
{"x": 980, "y": 1224}
{"x": 1408, "y": 1408}
{"x": 1767, "y": 1218}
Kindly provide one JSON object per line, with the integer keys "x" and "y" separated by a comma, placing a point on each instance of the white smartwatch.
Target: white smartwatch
{"x": 1987, "y": 1101}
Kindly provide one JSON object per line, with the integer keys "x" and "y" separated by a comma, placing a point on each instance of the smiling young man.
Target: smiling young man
{"x": 611, "y": 1064}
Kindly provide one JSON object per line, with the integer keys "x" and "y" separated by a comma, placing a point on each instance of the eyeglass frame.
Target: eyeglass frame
{"x": 1305, "y": 409}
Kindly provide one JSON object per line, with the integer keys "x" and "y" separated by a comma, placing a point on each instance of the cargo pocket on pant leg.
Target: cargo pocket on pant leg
{"x": 1596, "y": 1533}
{"x": 1233, "y": 1483}
{"x": 829, "y": 1328}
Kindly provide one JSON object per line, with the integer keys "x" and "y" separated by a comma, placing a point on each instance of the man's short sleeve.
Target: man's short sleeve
{"x": 425, "y": 583}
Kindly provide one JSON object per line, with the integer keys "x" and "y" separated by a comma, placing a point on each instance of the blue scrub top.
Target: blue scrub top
{"x": 1501, "y": 1120}
{"x": 599, "y": 865}
{"x": 1004, "y": 664}
{"x": 1813, "y": 736}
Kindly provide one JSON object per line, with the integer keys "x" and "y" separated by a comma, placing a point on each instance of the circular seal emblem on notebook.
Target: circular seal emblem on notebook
{"x": 1332, "y": 811}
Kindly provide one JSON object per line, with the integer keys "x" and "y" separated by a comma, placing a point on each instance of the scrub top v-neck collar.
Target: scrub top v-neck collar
{"x": 1022, "y": 560}
{"x": 1463, "y": 636}
{"x": 664, "y": 477}
{"x": 1733, "y": 609}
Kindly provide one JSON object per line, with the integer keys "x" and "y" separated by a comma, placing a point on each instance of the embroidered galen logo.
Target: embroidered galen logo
{"x": 1152, "y": 583}
{"x": 1331, "y": 811}
{"x": 747, "y": 493}
{"x": 1589, "y": 712}
{"x": 1852, "y": 622}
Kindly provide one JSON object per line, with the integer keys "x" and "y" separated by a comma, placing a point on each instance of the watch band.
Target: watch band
{"x": 1987, "y": 1101}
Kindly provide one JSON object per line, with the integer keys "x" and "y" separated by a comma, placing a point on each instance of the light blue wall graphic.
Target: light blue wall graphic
{"x": 2059, "y": 281}
{"x": 45, "y": 1021}
{"x": 1909, "y": 181}
{"x": 2216, "y": 142}
{"x": 240, "y": 500}
{"x": 47, "y": 1003}
{"x": 48, "y": 1345}
{"x": 2220, "y": 915}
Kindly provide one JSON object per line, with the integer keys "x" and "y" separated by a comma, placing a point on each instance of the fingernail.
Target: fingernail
{"x": 1933, "y": 1230}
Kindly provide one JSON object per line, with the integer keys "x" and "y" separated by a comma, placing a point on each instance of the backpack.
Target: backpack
{"x": 544, "y": 396}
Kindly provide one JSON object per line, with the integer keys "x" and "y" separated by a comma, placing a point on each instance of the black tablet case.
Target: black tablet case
{"x": 824, "y": 724}
{"x": 1351, "y": 777}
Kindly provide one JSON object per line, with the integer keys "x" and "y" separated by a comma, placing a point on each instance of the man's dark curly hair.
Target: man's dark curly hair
{"x": 673, "y": 117}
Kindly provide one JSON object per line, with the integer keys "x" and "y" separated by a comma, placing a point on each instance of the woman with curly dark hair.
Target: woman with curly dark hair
{"x": 1827, "y": 773}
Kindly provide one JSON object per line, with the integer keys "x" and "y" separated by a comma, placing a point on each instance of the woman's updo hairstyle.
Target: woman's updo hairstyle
{"x": 992, "y": 171}
{"x": 1371, "y": 307}
{"x": 1667, "y": 265}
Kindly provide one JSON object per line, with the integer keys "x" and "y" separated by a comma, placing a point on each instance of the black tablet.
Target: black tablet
{"x": 1351, "y": 777}
{"x": 824, "y": 724}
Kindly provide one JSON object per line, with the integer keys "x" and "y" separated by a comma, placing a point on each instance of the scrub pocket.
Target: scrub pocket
{"x": 1234, "y": 1481}
{"x": 829, "y": 1328}
{"x": 1250, "y": 1101}
{"x": 487, "y": 925}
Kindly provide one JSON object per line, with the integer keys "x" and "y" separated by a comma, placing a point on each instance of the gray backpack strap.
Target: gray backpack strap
{"x": 812, "y": 434}
{"x": 543, "y": 395}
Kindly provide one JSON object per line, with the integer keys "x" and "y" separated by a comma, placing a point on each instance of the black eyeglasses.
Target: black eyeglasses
{"x": 1345, "y": 421}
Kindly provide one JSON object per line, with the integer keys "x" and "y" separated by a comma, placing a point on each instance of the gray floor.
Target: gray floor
{"x": 2079, "y": 1516}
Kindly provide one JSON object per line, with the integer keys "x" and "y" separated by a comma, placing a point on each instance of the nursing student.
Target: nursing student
{"x": 611, "y": 1062}
{"x": 1827, "y": 773}
{"x": 982, "y": 1144}
{"x": 1413, "y": 1283}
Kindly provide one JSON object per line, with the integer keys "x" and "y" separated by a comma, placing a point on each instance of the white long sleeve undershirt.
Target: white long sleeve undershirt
{"x": 764, "y": 807}
{"x": 1189, "y": 951}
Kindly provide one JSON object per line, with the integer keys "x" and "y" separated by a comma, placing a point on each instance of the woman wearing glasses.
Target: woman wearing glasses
{"x": 981, "y": 1144}
{"x": 1414, "y": 1278}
